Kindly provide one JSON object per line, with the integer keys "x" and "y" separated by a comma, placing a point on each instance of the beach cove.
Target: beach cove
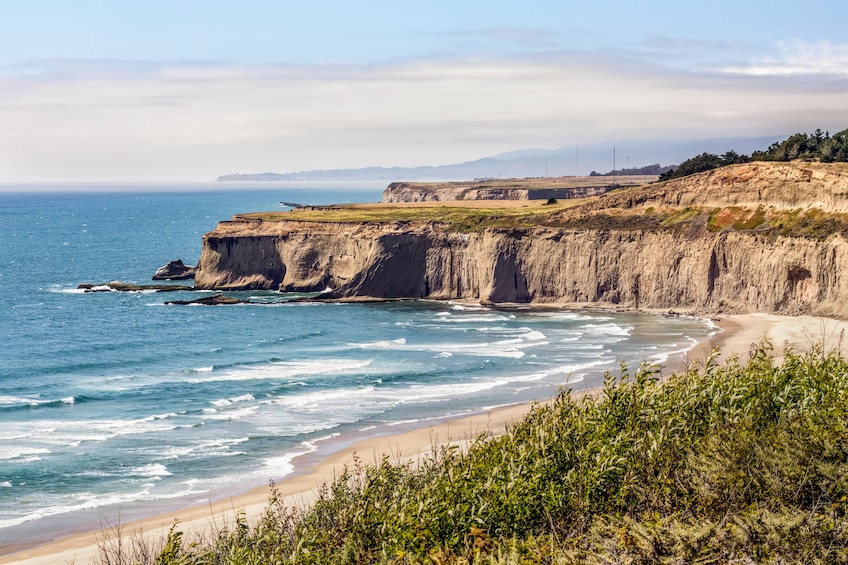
{"x": 739, "y": 333}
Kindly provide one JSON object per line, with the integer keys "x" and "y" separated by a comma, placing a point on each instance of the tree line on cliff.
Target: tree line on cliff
{"x": 818, "y": 146}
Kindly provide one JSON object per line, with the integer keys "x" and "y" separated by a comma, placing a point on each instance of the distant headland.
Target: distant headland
{"x": 629, "y": 157}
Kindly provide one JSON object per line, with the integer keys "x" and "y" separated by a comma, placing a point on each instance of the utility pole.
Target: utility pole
{"x": 614, "y": 172}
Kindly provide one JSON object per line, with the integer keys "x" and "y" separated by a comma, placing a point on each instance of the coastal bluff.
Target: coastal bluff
{"x": 508, "y": 189}
{"x": 759, "y": 237}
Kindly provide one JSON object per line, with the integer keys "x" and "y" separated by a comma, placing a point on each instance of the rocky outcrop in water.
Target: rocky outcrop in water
{"x": 118, "y": 286}
{"x": 215, "y": 300}
{"x": 174, "y": 271}
{"x": 692, "y": 265}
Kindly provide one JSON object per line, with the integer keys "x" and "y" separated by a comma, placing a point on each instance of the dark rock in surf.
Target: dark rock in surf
{"x": 118, "y": 286}
{"x": 174, "y": 271}
{"x": 216, "y": 300}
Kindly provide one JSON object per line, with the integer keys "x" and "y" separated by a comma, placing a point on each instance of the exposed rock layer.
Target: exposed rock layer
{"x": 738, "y": 272}
{"x": 698, "y": 269}
{"x": 405, "y": 192}
{"x": 508, "y": 189}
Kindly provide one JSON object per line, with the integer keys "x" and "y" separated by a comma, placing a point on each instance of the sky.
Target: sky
{"x": 186, "y": 90}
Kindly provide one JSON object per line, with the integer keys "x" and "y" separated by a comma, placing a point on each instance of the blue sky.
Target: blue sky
{"x": 188, "y": 90}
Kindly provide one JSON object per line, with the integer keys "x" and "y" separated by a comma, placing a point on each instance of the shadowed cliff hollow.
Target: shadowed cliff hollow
{"x": 767, "y": 237}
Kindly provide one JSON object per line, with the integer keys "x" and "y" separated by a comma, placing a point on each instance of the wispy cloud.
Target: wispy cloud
{"x": 74, "y": 121}
{"x": 800, "y": 58}
{"x": 674, "y": 45}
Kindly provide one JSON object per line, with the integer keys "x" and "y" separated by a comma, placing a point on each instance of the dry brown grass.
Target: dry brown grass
{"x": 457, "y": 214}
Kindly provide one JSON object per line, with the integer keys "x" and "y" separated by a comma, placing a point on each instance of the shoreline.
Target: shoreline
{"x": 409, "y": 441}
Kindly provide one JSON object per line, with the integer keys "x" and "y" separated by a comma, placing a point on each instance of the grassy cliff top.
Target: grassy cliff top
{"x": 802, "y": 199}
{"x": 457, "y": 214}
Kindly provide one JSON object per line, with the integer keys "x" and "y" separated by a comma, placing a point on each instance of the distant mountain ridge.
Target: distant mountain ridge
{"x": 537, "y": 162}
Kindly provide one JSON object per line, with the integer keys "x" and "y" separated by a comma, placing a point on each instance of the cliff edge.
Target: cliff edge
{"x": 759, "y": 237}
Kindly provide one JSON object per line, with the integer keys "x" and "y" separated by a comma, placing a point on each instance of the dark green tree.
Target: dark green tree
{"x": 704, "y": 162}
{"x": 819, "y": 146}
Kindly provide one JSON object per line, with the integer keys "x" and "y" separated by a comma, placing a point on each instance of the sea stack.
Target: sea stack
{"x": 174, "y": 271}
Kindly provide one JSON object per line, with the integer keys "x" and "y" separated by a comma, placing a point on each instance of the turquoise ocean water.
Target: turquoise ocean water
{"x": 117, "y": 404}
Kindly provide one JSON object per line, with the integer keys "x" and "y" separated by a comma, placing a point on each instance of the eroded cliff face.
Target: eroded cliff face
{"x": 730, "y": 272}
{"x": 440, "y": 192}
{"x": 754, "y": 270}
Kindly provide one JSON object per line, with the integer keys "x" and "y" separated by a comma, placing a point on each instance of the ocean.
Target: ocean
{"x": 115, "y": 404}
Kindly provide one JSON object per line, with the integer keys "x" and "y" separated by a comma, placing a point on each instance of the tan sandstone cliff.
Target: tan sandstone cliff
{"x": 690, "y": 266}
{"x": 508, "y": 189}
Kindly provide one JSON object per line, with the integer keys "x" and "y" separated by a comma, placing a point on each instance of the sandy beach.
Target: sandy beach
{"x": 738, "y": 334}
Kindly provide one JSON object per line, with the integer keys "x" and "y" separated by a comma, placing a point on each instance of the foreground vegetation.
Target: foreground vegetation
{"x": 743, "y": 462}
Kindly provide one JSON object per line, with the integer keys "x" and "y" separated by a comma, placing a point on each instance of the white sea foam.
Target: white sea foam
{"x": 566, "y": 316}
{"x": 23, "y": 454}
{"x": 381, "y": 344}
{"x": 468, "y": 307}
{"x": 167, "y": 416}
{"x": 323, "y": 398}
{"x": 608, "y": 330}
{"x": 221, "y": 447}
{"x": 152, "y": 470}
{"x": 282, "y": 465}
{"x": 17, "y": 401}
{"x": 665, "y": 355}
{"x": 573, "y": 367}
{"x": 286, "y": 370}
{"x": 67, "y": 290}
{"x": 475, "y": 319}
{"x": 5, "y": 484}
{"x": 506, "y": 348}
{"x": 13, "y": 401}
{"x": 232, "y": 414}
{"x": 532, "y": 377}
{"x": 417, "y": 394}
{"x": 233, "y": 400}
{"x": 534, "y": 335}
{"x": 70, "y": 433}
